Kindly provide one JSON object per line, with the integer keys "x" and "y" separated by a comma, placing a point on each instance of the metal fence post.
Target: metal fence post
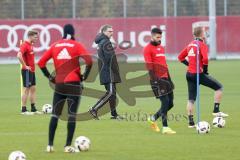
{"x": 165, "y": 8}
{"x": 22, "y": 9}
{"x": 125, "y": 8}
{"x": 225, "y": 7}
{"x": 212, "y": 28}
{"x": 175, "y": 8}
{"x": 73, "y": 9}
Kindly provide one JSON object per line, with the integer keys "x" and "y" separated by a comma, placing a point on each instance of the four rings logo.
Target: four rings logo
{"x": 13, "y": 39}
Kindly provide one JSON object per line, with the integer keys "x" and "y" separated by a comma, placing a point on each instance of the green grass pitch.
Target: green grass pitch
{"x": 124, "y": 140}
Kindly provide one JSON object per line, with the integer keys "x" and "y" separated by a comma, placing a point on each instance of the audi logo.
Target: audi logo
{"x": 13, "y": 39}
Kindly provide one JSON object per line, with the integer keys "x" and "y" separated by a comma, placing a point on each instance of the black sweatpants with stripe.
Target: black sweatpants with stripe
{"x": 109, "y": 96}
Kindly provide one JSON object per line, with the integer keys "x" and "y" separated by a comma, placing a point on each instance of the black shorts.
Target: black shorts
{"x": 204, "y": 79}
{"x": 162, "y": 87}
{"x": 64, "y": 99}
{"x": 28, "y": 78}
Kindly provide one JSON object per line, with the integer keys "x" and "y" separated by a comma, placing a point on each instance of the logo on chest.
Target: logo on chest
{"x": 159, "y": 53}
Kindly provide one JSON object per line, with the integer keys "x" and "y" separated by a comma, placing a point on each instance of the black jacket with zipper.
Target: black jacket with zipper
{"x": 107, "y": 61}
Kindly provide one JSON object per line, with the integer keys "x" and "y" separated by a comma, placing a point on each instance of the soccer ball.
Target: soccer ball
{"x": 203, "y": 127}
{"x": 17, "y": 155}
{"x": 47, "y": 108}
{"x": 218, "y": 122}
{"x": 82, "y": 143}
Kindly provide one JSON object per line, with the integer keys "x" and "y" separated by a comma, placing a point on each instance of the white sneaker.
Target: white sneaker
{"x": 27, "y": 113}
{"x": 220, "y": 114}
{"x": 192, "y": 126}
{"x": 69, "y": 149}
{"x": 37, "y": 112}
{"x": 50, "y": 149}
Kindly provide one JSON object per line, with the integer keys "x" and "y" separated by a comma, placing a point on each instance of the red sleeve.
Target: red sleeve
{"x": 148, "y": 58}
{"x": 23, "y": 49}
{"x": 46, "y": 56}
{"x": 204, "y": 52}
{"x": 85, "y": 55}
{"x": 183, "y": 54}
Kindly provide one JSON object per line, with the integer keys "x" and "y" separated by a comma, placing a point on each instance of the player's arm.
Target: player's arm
{"x": 182, "y": 56}
{"x": 20, "y": 57}
{"x": 43, "y": 61}
{"x": 149, "y": 63}
{"x": 88, "y": 61}
{"x": 204, "y": 52}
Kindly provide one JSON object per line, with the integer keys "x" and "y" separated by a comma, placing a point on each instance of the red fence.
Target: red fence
{"x": 176, "y": 33}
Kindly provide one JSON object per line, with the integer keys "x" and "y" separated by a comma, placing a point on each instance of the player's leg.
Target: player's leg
{"x": 190, "y": 112}
{"x": 217, "y": 100}
{"x": 73, "y": 103}
{"x": 25, "y": 93}
{"x": 102, "y": 101}
{"x": 162, "y": 112}
{"x": 212, "y": 83}
{"x": 25, "y": 90}
{"x": 192, "y": 94}
{"x": 166, "y": 105}
{"x": 58, "y": 103}
{"x": 32, "y": 92}
{"x": 32, "y": 96}
{"x": 171, "y": 98}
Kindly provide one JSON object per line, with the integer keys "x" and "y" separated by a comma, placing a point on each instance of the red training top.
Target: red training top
{"x": 26, "y": 50}
{"x": 155, "y": 60}
{"x": 190, "y": 51}
{"x": 66, "y": 54}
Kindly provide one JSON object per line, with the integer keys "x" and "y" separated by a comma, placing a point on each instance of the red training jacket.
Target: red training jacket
{"x": 66, "y": 54}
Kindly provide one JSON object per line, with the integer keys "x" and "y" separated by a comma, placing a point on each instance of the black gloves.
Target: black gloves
{"x": 205, "y": 69}
{"x": 86, "y": 73}
{"x": 185, "y": 62}
{"x": 47, "y": 74}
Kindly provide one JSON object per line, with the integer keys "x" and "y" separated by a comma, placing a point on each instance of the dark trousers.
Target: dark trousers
{"x": 166, "y": 105}
{"x": 64, "y": 97}
{"x": 109, "y": 96}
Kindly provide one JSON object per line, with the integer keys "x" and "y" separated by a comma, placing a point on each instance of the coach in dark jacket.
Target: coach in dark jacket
{"x": 107, "y": 62}
{"x": 108, "y": 71}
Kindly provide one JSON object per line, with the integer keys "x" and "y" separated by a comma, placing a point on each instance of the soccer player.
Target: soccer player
{"x": 26, "y": 58}
{"x": 160, "y": 80}
{"x": 65, "y": 54}
{"x": 108, "y": 70}
{"x": 190, "y": 52}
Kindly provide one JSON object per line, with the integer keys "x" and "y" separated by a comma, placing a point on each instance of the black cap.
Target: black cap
{"x": 68, "y": 29}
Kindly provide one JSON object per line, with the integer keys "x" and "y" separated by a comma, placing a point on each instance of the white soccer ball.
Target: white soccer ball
{"x": 82, "y": 143}
{"x": 17, "y": 155}
{"x": 47, "y": 108}
{"x": 218, "y": 122}
{"x": 203, "y": 127}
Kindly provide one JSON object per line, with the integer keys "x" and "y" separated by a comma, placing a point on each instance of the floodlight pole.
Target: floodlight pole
{"x": 212, "y": 29}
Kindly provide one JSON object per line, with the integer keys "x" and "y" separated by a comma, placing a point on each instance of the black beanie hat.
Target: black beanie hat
{"x": 68, "y": 29}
